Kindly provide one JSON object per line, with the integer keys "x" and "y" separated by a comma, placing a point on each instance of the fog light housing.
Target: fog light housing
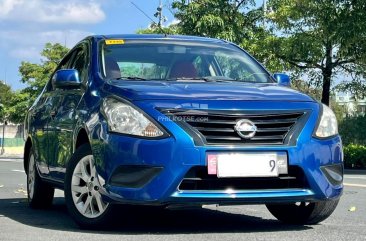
{"x": 334, "y": 173}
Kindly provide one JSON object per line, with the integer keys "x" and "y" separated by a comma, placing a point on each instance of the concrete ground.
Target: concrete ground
{"x": 253, "y": 222}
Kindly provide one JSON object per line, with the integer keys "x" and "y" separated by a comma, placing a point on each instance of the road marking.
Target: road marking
{"x": 11, "y": 160}
{"x": 354, "y": 185}
{"x": 15, "y": 170}
{"x": 355, "y": 177}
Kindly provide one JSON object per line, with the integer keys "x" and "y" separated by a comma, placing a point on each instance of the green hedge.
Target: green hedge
{"x": 354, "y": 156}
{"x": 353, "y": 130}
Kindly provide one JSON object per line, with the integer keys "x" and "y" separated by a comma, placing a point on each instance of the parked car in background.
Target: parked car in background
{"x": 178, "y": 120}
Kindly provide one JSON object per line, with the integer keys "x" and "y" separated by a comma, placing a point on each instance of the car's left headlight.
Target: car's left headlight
{"x": 125, "y": 119}
{"x": 328, "y": 123}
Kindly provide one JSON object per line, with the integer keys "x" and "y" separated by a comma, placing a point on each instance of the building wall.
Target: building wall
{"x": 354, "y": 106}
{"x": 13, "y": 135}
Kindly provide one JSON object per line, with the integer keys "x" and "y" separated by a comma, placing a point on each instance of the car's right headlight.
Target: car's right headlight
{"x": 328, "y": 125}
{"x": 125, "y": 119}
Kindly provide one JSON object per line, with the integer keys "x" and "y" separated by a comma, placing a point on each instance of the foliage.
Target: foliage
{"x": 357, "y": 86}
{"x": 257, "y": 44}
{"x": 307, "y": 87}
{"x": 354, "y": 156}
{"x": 37, "y": 75}
{"x": 322, "y": 37}
{"x": 353, "y": 130}
{"x": 5, "y": 96}
{"x": 224, "y": 19}
{"x": 13, "y": 105}
{"x": 238, "y": 21}
{"x": 340, "y": 111}
{"x": 18, "y": 106}
{"x": 153, "y": 29}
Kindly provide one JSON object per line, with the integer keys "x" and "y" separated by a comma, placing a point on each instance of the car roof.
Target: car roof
{"x": 158, "y": 37}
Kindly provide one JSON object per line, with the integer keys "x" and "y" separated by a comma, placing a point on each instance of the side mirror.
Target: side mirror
{"x": 66, "y": 79}
{"x": 282, "y": 79}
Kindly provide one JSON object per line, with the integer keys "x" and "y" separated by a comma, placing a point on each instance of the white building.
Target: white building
{"x": 353, "y": 105}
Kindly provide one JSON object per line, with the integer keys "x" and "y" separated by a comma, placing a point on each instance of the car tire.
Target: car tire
{"x": 82, "y": 191}
{"x": 303, "y": 212}
{"x": 40, "y": 194}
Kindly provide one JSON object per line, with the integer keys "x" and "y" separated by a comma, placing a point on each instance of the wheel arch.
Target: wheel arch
{"x": 27, "y": 147}
{"x": 81, "y": 138}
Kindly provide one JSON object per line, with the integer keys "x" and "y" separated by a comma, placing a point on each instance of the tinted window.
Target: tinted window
{"x": 81, "y": 63}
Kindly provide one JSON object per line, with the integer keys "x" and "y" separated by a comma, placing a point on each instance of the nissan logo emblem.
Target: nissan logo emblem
{"x": 245, "y": 128}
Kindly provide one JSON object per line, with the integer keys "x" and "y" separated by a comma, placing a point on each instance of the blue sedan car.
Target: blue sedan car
{"x": 178, "y": 120}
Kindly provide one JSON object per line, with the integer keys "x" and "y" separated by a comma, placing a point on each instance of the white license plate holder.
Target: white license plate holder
{"x": 256, "y": 164}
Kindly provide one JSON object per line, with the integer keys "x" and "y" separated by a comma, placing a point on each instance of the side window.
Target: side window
{"x": 62, "y": 65}
{"x": 81, "y": 63}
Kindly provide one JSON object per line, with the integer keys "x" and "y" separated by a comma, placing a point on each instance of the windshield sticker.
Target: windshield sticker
{"x": 114, "y": 41}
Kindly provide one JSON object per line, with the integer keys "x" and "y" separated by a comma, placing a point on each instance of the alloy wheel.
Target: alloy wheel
{"x": 85, "y": 189}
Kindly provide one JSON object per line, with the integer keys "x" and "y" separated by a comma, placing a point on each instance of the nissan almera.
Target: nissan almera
{"x": 178, "y": 120}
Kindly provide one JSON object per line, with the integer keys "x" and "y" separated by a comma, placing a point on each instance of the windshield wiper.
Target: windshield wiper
{"x": 130, "y": 78}
{"x": 206, "y": 79}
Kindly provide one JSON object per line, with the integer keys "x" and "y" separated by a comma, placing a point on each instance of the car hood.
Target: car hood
{"x": 159, "y": 90}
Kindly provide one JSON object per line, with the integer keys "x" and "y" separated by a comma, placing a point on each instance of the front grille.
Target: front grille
{"x": 198, "y": 179}
{"x": 217, "y": 127}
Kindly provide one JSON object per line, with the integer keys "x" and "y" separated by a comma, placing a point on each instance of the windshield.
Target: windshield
{"x": 167, "y": 60}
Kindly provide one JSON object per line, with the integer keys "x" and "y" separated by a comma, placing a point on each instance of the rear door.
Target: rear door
{"x": 39, "y": 118}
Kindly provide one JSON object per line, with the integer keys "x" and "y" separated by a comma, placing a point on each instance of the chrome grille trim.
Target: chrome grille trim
{"x": 216, "y": 127}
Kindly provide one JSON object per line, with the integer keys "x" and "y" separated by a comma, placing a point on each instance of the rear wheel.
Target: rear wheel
{"x": 40, "y": 194}
{"x": 82, "y": 191}
{"x": 303, "y": 212}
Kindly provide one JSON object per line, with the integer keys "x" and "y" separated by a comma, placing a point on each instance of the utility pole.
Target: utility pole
{"x": 159, "y": 14}
{"x": 65, "y": 38}
{"x": 5, "y": 75}
{"x": 3, "y": 139}
{"x": 264, "y": 12}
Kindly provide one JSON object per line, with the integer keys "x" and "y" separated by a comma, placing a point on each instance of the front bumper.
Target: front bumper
{"x": 167, "y": 161}
{"x": 174, "y": 161}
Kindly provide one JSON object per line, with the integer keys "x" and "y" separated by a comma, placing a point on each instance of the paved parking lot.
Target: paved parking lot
{"x": 253, "y": 222}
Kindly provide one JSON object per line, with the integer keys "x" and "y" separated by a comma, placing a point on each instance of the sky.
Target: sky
{"x": 26, "y": 25}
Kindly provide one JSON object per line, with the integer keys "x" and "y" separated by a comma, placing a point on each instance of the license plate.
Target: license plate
{"x": 246, "y": 164}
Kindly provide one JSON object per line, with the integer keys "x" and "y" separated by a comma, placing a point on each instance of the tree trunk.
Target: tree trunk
{"x": 327, "y": 76}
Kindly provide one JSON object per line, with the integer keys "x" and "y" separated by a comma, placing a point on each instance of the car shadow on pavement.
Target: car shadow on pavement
{"x": 145, "y": 220}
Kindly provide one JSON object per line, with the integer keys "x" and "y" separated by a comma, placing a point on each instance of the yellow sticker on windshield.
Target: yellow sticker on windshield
{"x": 114, "y": 41}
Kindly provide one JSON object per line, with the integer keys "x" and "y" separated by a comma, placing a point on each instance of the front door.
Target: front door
{"x": 62, "y": 135}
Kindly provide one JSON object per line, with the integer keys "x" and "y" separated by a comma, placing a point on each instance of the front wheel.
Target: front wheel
{"x": 303, "y": 212}
{"x": 82, "y": 191}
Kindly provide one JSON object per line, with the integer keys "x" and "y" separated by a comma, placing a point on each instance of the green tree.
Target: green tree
{"x": 18, "y": 106}
{"x": 154, "y": 29}
{"x": 225, "y": 19}
{"x": 37, "y": 75}
{"x": 5, "y": 96}
{"x": 238, "y": 21}
{"x": 323, "y": 38}
{"x": 307, "y": 87}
